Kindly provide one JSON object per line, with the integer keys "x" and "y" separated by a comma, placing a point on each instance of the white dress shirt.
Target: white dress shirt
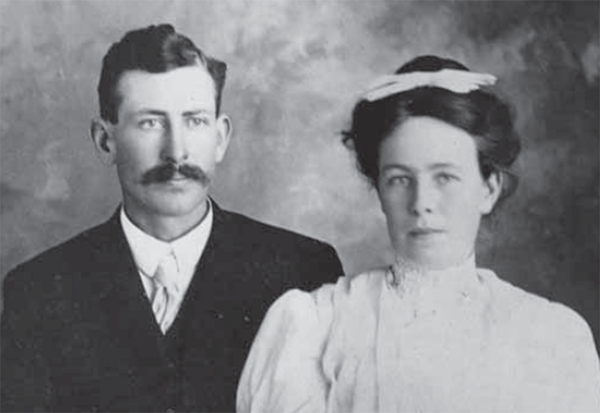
{"x": 147, "y": 252}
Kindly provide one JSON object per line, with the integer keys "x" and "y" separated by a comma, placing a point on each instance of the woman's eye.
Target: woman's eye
{"x": 399, "y": 180}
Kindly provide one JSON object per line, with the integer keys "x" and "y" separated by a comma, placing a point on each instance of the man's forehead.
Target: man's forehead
{"x": 180, "y": 87}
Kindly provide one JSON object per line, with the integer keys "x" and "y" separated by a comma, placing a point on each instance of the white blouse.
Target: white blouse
{"x": 403, "y": 340}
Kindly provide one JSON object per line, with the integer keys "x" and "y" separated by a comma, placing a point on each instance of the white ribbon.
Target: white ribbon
{"x": 458, "y": 81}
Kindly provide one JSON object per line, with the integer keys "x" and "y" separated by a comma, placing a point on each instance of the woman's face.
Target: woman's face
{"x": 432, "y": 192}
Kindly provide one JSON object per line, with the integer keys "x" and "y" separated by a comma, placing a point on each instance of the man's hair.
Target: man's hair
{"x": 154, "y": 49}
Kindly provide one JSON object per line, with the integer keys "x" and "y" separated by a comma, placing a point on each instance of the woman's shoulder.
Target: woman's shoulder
{"x": 536, "y": 314}
{"x": 297, "y": 307}
{"x": 553, "y": 344}
{"x": 300, "y": 322}
{"x": 296, "y": 303}
{"x": 361, "y": 282}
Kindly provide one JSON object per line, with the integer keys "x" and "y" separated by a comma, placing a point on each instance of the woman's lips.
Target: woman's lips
{"x": 416, "y": 232}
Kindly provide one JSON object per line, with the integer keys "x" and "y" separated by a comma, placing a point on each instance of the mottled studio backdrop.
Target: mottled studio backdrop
{"x": 295, "y": 69}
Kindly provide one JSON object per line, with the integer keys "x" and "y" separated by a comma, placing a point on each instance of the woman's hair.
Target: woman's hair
{"x": 483, "y": 115}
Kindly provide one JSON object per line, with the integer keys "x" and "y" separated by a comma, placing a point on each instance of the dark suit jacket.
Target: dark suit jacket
{"x": 78, "y": 332}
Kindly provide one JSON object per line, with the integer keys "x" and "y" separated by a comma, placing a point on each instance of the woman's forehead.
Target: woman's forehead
{"x": 425, "y": 142}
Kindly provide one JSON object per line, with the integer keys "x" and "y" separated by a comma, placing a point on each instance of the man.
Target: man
{"x": 154, "y": 310}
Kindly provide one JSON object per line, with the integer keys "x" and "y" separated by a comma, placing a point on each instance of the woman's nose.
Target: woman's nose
{"x": 423, "y": 199}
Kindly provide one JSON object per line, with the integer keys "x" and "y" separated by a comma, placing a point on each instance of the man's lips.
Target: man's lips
{"x": 178, "y": 177}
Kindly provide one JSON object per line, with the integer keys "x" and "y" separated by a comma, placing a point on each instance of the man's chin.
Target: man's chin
{"x": 174, "y": 183}
{"x": 180, "y": 208}
{"x": 171, "y": 203}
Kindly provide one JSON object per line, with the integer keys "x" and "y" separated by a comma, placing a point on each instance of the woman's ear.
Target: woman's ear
{"x": 224, "y": 128}
{"x": 101, "y": 133}
{"x": 492, "y": 188}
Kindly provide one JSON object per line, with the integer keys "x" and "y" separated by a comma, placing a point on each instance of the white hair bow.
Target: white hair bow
{"x": 458, "y": 81}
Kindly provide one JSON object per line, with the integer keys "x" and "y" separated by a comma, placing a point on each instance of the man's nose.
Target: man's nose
{"x": 175, "y": 145}
{"x": 424, "y": 198}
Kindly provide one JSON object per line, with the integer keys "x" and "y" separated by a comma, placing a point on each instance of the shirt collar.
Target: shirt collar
{"x": 426, "y": 292}
{"x": 147, "y": 251}
{"x": 412, "y": 279}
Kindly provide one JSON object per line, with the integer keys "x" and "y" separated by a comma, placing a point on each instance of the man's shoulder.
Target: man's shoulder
{"x": 247, "y": 229}
{"x": 72, "y": 252}
{"x": 283, "y": 259}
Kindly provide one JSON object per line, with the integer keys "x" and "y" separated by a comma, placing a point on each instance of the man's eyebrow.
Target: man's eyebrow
{"x": 156, "y": 112}
{"x": 150, "y": 112}
{"x": 198, "y": 112}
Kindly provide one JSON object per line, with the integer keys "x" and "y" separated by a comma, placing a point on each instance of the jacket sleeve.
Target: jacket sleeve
{"x": 25, "y": 382}
{"x": 321, "y": 267}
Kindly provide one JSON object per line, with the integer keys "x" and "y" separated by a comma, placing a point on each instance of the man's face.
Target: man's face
{"x": 166, "y": 143}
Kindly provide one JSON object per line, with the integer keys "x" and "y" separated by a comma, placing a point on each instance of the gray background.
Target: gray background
{"x": 295, "y": 69}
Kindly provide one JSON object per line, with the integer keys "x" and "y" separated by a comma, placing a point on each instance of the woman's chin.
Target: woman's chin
{"x": 429, "y": 260}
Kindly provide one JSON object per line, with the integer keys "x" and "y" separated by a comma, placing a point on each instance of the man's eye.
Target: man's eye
{"x": 151, "y": 123}
{"x": 196, "y": 121}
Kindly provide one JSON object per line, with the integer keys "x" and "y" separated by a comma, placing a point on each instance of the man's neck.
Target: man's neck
{"x": 167, "y": 228}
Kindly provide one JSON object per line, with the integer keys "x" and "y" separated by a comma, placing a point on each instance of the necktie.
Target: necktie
{"x": 165, "y": 291}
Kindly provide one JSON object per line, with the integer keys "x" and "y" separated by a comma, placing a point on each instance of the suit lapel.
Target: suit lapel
{"x": 202, "y": 290}
{"x": 122, "y": 296}
{"x": 123, "y": 299}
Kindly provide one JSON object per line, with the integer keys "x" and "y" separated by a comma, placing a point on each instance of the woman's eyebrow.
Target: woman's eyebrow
{"x": 444, "y": 165}
{"x": 393, "y": 166}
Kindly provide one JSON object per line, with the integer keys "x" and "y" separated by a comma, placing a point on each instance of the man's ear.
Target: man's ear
{"x": 492, "y": 188}
{"x": 224, "y": 128}
{"x": 101, "y": 133}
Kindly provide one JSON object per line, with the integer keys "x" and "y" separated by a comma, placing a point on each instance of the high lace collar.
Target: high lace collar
{"x": 428, "y": 290}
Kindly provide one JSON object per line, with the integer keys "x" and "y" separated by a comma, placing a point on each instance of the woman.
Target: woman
{"x": 432, "y": 332}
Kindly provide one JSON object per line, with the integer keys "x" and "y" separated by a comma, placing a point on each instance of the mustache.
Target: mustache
{"x": 166, "y": 172}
